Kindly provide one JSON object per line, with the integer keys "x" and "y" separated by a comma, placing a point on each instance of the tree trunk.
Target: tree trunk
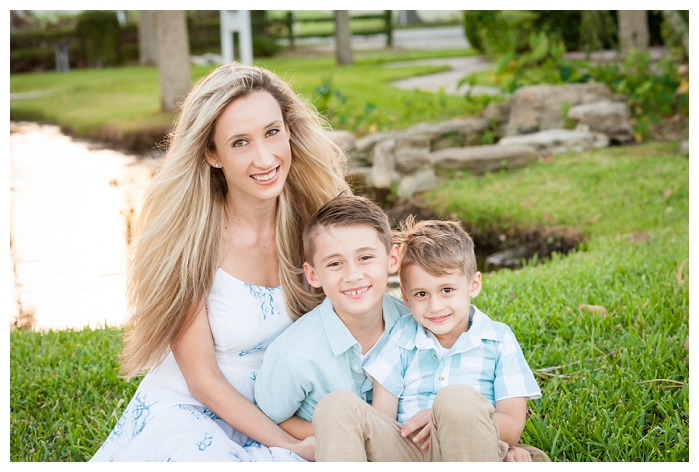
{"x": 633, "y": 31}
{"x": 676, "y": 22}
{"x": 173, "y": 57}
{"x": 147, "y": 38}
{"x": 343, "y": 38}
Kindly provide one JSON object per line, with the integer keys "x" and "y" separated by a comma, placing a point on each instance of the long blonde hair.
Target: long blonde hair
{"x": 177, "y": 249}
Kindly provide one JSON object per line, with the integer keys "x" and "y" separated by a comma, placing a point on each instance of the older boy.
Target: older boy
{"x": 446, "y": 352}
{"x": 349, "y": 254}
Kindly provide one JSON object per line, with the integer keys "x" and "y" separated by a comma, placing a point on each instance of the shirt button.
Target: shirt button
{"x": 356, "y": 368}
{"x": 435, "y": 357}
{"x": 441, "y": 377}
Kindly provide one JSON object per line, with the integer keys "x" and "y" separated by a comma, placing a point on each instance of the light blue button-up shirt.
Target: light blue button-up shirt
{"x": 313, "y": 357}
{"x": 486, "y": 357}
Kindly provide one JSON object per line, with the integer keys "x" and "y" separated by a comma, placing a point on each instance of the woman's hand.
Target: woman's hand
{"x": 419, "y": 420}
{"x": 306, "y": 448}
{"x": 515, "y": 454}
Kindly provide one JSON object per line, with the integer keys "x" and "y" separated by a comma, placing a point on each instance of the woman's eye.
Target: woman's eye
{"x": 272, "y": 132}
{"x": 240, "y": 143}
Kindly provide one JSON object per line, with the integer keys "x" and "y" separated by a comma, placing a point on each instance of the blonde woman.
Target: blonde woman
{"x": 217, "y": 270}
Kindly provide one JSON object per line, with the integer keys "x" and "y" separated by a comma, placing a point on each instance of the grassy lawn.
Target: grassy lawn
{"x": 109, "y": 103}
{"x": 614, "y": 381}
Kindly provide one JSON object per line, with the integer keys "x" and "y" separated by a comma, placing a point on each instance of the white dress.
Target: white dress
{"x": 164, "y": 422}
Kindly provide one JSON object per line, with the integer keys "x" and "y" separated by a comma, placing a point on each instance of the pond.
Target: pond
{"x": 71, "y": 208}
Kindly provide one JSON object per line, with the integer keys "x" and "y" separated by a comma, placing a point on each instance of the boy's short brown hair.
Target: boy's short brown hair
{"x": 346, "y": 210}
{"x": 436, "y": 246}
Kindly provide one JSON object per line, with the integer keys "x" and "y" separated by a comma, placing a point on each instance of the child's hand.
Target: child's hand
{"x": 307, "y": 448}
{"x": 516, "y": 454}
{"x": 418, "y": 421}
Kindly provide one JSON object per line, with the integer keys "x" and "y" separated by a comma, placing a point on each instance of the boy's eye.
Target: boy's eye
{"x": 447, "y": 290}
{"x": 366, "y": 258}
{"x": 334, "y": 264}
{"x": 420, "y": 294}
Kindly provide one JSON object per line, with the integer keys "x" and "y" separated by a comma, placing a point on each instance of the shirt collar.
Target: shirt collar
{"x": 482, "y": 328}
{"x": 339, "y": 336}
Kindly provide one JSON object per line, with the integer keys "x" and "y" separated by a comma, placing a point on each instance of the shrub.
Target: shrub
{"x": 98, "y": 35}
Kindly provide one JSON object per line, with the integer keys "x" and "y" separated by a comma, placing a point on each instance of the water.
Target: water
{"x": 71, "y": 207}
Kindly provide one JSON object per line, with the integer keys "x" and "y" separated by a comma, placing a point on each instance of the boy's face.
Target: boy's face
{"x": 440, "y": 304}
{"x": 351, "y": 264}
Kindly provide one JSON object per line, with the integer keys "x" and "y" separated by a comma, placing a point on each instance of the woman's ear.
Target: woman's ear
{"x": 210, "y": 157}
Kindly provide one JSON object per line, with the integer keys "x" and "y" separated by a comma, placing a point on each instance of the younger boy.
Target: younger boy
{"x": 446, "y": 352}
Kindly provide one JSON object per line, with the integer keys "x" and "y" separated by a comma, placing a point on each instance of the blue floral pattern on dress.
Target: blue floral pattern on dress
{"x": 141, "y": 412}
{"x": 245, "y": 352}
{"x": 192, "y": 410}
{"x": 253, "y": 375}
{"x": 205, "y": 443}
{"x": 264, "y": 296}
{"x": 211, "y": 414}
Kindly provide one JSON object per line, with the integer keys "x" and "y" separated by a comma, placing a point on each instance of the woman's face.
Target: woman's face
{"x": 252, "y": 148}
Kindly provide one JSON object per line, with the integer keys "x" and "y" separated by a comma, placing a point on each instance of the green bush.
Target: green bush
{"x": 98, "y": 35}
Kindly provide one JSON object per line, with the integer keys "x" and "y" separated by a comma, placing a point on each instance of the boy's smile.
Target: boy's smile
{"x": 351, "y": 265}
{"x": 440, "y": 304}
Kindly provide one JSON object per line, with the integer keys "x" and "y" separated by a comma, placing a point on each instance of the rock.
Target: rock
{"x": 342, "y": 138}
{"x": 509, "y": 258}
{"x": 421, "y": 181}
{"x": 384, "y": 164}
{"x": 359, "y": 178}
{"x": 410, "y": 152}
{"x": 452, "y": 133}
{"x": 366, "y": 143}
{"x": 558, "y": 140}
{"x": 538, "y": 107}
{"x": 498, "y": 111}
{"x": 608, "y": 117}
{"x": 480, "y": 159}
{"x": 684, "y": 147}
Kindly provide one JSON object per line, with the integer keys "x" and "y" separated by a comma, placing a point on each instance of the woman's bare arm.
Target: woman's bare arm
{"x": 195, "y": 356}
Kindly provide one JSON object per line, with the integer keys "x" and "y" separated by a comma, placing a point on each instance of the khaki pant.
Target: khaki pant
{"x": 463, "y": 429}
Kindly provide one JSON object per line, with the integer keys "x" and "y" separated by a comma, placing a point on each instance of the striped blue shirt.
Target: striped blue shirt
{"x": 486, "y": 357}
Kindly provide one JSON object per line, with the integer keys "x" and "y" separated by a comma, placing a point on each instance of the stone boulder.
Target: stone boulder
{"x": 558, "y": 140}
{"x": 342, "y": 138}
{"x": 462, "y": 132}
{"x": 481, "y": 159}
{"x": 684, "y": 148}
{"x": 421, "y": 181}
{"x": 539, "y": 107}
{"x": 609, "y": 117}
{"x": 411, "y": 152}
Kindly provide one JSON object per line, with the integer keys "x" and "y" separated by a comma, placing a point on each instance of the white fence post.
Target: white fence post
{"x": 233, "y": 21}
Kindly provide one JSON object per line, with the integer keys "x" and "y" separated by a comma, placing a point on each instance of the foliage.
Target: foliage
{"x": 98, "y": 35}
{"x": 615, "y": 386}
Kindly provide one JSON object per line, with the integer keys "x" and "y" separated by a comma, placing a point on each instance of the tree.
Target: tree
{"x": 173, "y": 57}
{"x": 633, "y": 31}
{"x": 674, "y": 19}
{"x": 147, "y": 38}
{"x": 343, "y": 38}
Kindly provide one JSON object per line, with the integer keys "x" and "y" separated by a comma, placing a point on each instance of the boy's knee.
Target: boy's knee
{"x": 463, "y": 399}
{"x": 335, "y": 404}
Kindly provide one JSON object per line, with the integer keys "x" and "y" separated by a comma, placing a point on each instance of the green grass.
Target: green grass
{"x": 615, "y": 386}
{"x": 99, "y": 102}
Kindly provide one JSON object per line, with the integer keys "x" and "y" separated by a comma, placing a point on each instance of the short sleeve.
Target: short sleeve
{"x": 386, "y": 367}
{"x": 278, "y": 391}
{"x": 513, "y": 377}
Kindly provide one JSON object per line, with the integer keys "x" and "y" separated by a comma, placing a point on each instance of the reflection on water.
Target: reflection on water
{"x": 70, "y": 210}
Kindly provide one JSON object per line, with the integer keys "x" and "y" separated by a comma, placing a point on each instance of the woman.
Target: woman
{"x": 217, "y": 270}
